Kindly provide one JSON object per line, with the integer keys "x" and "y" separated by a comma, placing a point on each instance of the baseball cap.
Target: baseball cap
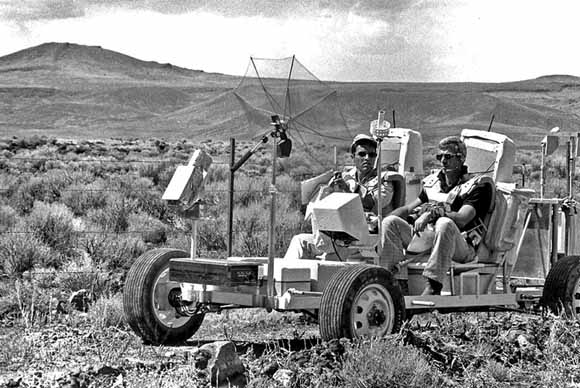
{"x": 362, "y": 138}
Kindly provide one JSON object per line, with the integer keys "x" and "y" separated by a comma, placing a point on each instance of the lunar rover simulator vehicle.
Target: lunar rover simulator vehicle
{"x": 168, "y": 292}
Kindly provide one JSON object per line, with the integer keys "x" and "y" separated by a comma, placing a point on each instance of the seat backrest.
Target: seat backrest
{"x": 505, "y": 224}
{"x": 403, "y": 149}
{"x": 489, "y": 153}
{"x": 399, "y": 189}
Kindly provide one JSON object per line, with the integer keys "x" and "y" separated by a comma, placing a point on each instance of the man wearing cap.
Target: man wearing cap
{"x": 361, "y": 179}
{"x": 451, "y": 202}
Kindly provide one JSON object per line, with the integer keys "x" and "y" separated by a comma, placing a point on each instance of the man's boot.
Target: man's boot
{"x": 432, "y": 287}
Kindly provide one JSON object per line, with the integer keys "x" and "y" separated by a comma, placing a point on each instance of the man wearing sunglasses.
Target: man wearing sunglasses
{"x": 452, "y": 204}
{"x": 361, "y": 179}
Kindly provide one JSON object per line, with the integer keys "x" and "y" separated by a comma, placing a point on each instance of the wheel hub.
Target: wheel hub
{"x": 174, "y": 298}
{"x": 373, "y": 312}
{"x": 165, "y": 297}
{"x": 376, "y": 316}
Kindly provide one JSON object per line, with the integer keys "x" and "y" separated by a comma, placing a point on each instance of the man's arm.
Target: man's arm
{"x": 405, "y": 210}
{"x": 387, "y": 192}
{"x": 463, "y": 216}
{"x": 479, "y": 198}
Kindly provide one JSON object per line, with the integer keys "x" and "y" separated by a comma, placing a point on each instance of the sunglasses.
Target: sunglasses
{"x": 445, "y": 156}
{"x": 363, "y": 154}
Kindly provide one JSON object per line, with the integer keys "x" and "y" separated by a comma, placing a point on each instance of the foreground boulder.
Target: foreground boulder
{"x": 221, "y": 361}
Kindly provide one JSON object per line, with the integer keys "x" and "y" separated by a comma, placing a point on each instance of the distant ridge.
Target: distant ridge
{"x": 67, "y": 53}
{"x": 72, "y": 90}
{"x": 75, "y": 59}
{"x": 559, "y": 78}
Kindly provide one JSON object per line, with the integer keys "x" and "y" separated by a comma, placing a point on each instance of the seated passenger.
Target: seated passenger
{"x": 361, "y": 179}
{"x": 460, "y": 205}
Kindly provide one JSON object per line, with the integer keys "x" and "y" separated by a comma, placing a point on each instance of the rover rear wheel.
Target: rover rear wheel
{"x": 562, "y": 288}
{"x": 361, "y": 301}
{"x": 147, "y": 300}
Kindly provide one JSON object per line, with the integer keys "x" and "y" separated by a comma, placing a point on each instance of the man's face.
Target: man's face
{"x": 364, "y": 158}
{"x": 449, "y": 159}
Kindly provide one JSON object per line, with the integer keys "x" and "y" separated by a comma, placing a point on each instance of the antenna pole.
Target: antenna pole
{"x": 231, "y": 195}
{"x": 271, "y": 229}
{"x": 542, "y": 170}
{"x": 490, "y": 123}
{"x": 287, "y": 107}
{"x": 379, "y": 132}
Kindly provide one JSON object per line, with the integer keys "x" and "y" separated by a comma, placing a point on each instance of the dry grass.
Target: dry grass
{"x": 92, "y": 237}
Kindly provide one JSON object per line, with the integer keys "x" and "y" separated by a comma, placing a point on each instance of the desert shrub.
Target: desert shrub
{"x": 54, "y": 164}
{"x": 212, "y": 235}
{"x": 84, "y": 176}
{"x": 289, "y": 188}
{"x": 20, "y": 252}
{"x": 218, "y": 173}
{"x": 160, "y": 173}
{"x": 179, "y": 241}
{"x": 53, "y": 225}
{"x": 81, "y": 198}
{"x": 84, "y": 273}
{"x": 150, "y": 229}
{"x": 142, "y": 195}
{"x": 385, "y": 363}
{"x": 107, "y": 311}
{"x": 46, "y": 188}
{"x": 8, "y": 184}
{"x": 113, "y": 217}
{"x": 8, "y": 218}
{"x": 30, "y": 305}
{"x": 251, "y": 231}
{"x": 112, "y": 251}
{"x": 216, "y": 193}
{"x": 250, "y": 190}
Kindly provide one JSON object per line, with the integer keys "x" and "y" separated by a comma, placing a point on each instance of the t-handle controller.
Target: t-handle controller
{"x": 380, "y": 127}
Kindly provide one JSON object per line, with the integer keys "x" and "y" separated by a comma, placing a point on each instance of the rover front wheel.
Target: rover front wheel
{"x": 361, "y": 301}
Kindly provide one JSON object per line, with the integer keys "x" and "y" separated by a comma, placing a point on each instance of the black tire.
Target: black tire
{"x": 562, "y": 287}
{"x": 146, "y": 304}
{"x": 343, "y": 313}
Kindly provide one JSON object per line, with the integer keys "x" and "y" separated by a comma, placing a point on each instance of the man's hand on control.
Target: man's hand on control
{"x": 421, "y": 223}
{"x": 372, "y": 221}
{"x": 338, "y": 184}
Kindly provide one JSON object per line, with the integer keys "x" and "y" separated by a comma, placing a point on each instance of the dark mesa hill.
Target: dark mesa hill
{"x": 70, "y": 90}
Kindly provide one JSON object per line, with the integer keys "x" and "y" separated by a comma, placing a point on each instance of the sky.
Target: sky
{"x": 337, "y": 40}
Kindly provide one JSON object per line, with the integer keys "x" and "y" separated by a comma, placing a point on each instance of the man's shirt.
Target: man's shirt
{"x": 470, "y": 193}
{"x": 368, "y": 189}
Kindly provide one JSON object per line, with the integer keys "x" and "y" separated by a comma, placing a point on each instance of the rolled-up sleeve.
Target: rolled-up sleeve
{"x": 370, "y": 198}
{"x": 387, "y": 191}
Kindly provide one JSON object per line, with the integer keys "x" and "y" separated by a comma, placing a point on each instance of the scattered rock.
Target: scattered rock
{"x": 269, "y": 369}
{"x": 108, "y": 370}
{"x": 79, "y": 300}
{"x": 284, "y": 377}
{"x": 201, "y": 358}
{"x": 14, "y": 383}
{"x": 223, "y": 364}
{"x": 523, "y": 341}
{"x": 119, "y": 382}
